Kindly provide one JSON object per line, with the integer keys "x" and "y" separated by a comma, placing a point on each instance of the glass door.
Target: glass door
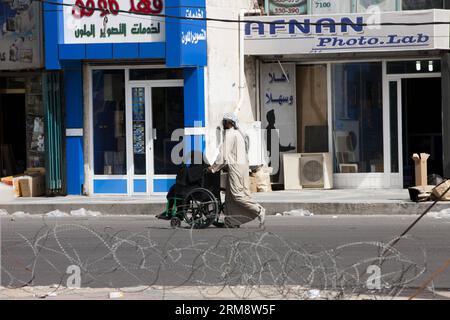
{"x": 167, "y": 100}
{"x": 156, "y": 111}
{"x": 167, "y": 116}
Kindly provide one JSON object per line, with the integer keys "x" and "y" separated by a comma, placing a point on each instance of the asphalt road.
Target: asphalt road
{"x": 320, "y": 252}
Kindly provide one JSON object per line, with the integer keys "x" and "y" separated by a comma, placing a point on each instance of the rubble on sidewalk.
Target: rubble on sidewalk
{"x": 298, "y": 213}
{"x": 443, "y": 214}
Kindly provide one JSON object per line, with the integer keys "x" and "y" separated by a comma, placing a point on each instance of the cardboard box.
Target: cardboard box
{"x": 32, "y": 185}
{"x": 262, "y": 178}
{"x": 421, "y": 169}
{"x": 7, "y": 180}
{"x": 16, "y": 186}
{"x": 442, "y": 191}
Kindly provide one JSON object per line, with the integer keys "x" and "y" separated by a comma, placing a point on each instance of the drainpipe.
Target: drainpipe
{"x": 258, "y": 92}
{"x": 242, "y": 85}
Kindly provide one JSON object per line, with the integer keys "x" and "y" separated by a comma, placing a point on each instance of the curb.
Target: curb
{"x": 272, "y": 208}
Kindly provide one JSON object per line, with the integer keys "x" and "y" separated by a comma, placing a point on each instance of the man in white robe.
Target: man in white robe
{"x": 240, "y": 208}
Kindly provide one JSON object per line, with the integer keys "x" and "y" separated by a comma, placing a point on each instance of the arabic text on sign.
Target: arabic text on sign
{"x": 82, "y": 9}
{"x": 86, "y": 8}
{"x": 193, "y": 37}
{"x": 122, "y": 30}
{"x": 107, "y": 7}
{"x": 85, "y": 32}
{"x": 147, "y": 6}
{"x": 289, "y": 100}
{"x": 139, "y": 29}
{"x": 273, "y": 78}
{"x": 197, "y": 14}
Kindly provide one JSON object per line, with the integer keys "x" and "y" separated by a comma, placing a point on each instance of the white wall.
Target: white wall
{"x": 222, "y": 73}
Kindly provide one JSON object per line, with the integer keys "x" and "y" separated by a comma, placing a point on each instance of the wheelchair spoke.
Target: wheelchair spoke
{"x": 201, "y": 208}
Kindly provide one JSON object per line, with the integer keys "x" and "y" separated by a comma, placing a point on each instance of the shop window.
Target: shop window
{"x": 312, "y": 120}
{"x": 425, "y": 4}
{"x": 413, "y": 66}
{"x": 357, "y": 117}
{"x": 109, "y": 122}
{"x": 156, "y": 74}
{"x": 286, "y": 7}
{"x": 381, "y": 5}
{"x": 331, "y": 6}
{"x": 168, "y": 116}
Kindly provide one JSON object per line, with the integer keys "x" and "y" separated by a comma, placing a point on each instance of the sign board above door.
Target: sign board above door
{"x": 302, "y": 34}
{"x": 88, "y": 21}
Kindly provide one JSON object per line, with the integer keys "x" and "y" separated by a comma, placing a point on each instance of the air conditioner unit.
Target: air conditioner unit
{"x": 307, "y": 170}
{"x": 255, "y": 135}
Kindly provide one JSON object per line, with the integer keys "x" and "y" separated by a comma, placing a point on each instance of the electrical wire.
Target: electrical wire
{"x": 406, "y": 24}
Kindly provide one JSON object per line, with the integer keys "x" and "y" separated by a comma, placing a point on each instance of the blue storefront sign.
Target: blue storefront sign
{"x": 186, "y": 30}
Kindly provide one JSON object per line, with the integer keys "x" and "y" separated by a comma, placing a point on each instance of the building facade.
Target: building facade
{"x": 26, "y": 115}
{"x": 144, "y": 85}
{"x": 136, "y": 77}
{"x": 336, "y": 77}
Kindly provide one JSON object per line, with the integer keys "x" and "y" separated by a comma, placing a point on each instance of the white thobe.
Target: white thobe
{"x": 240, "y": 208}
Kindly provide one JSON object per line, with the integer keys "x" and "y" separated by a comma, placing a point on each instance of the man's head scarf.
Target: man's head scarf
{"x": 234, "y": 119}
{"x": 231, "y": 117}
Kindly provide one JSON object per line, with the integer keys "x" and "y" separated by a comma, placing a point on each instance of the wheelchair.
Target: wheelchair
{"x": 200, "y": 206}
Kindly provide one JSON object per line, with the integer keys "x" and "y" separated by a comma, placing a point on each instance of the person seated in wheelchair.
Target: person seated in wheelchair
{"x": 189, "y": 177}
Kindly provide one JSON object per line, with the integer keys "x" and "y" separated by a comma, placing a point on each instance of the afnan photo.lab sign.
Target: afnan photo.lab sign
{"x": 113, "y": 21}
{"x": 346, "y": 33}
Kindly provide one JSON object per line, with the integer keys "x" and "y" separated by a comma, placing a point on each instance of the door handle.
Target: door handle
{"x": 154, "y": 136}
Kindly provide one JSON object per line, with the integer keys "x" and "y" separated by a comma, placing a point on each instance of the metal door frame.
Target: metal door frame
{"x": 150, "y": 134}
{"x": 398, "y": 79}
{"x": 90, "y": 175}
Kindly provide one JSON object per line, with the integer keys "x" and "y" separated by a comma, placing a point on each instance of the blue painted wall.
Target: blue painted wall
{"x": 140, "y": 186}
{"x": 110, "y": 186}
{"x": 194, "y": 97}
{"x": 163, "y": 185}
{"x": 74, "y": 165}
{"x": 73, "y": 85}
{"x": 50, "y": 14}
{"x": 73, "y": 96}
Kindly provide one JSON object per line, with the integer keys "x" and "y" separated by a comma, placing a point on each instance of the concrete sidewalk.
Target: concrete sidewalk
{"x": 319, "y": 202}
{"x": 200, "y": 293}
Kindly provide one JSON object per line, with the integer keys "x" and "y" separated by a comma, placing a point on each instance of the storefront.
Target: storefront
{"x": 24, "y": 103}
{"x": 134, "y": 91}
{"x": 369, "y": 96}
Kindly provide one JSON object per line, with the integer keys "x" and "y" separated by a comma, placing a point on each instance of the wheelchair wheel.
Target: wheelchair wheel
{"x": 200, "y": 208}
{"x": 175, "y": 222}
{"x": 217, "y": 223}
